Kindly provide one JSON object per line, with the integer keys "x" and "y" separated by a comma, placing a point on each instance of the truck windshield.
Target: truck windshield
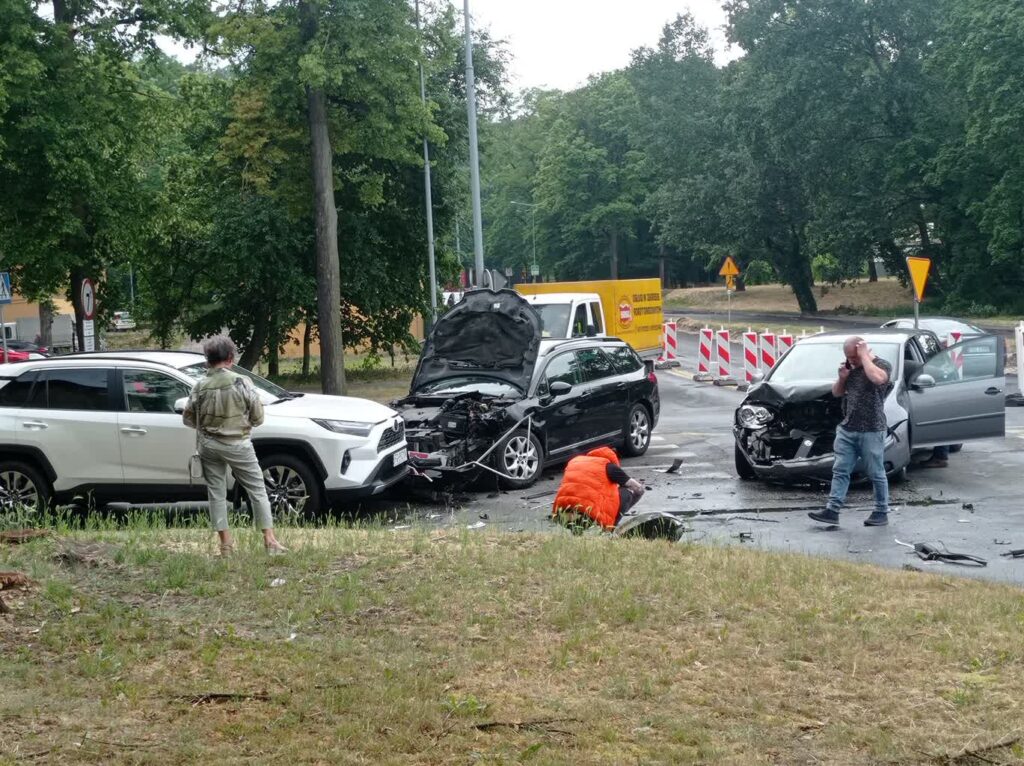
{"x": 554, "y": 319}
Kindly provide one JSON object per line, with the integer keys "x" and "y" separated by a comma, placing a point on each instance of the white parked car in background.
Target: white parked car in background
{"x": 122, "y": 320}
{"x": 108, "y": 425}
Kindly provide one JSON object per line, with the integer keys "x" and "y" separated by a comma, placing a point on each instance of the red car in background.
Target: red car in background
{"x": 13, "y": 356}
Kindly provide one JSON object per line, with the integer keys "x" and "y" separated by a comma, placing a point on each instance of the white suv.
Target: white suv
{"x": 109, "y": 426}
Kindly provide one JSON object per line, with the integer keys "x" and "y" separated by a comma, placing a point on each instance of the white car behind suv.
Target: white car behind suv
{"x": 109, "y": 426}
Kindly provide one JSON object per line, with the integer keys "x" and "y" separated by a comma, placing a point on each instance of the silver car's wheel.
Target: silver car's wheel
{"x": 287, "y": 490}
{"x": 638, "y": 431}
{"x": 23, "y": 488}
{"x": 18, "y": 490}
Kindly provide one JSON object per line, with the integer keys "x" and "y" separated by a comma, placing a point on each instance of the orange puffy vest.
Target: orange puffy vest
{"x": 586, "y": 487}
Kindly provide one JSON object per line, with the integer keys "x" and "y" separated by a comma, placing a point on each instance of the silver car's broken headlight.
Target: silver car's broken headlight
{"x": 753, "y": 416}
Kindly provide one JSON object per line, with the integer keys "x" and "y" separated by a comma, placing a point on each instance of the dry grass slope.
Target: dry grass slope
{"x": 453, "y": 647}
{"x": 856, "y": 297}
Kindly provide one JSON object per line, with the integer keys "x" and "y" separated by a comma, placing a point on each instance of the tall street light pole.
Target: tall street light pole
{"x": 534, "y": 271}
{"x": 474, "y": 155}
{"x": 426, "y": 185}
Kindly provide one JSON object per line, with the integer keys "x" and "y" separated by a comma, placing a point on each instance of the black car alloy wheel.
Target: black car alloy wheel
{"x": 520, "y": 459}
{"x": 638, "y": 431}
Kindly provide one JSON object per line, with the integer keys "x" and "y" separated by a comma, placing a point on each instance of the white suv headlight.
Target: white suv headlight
{"x": 753, "y": 416}
{"x": 351, "y": 427}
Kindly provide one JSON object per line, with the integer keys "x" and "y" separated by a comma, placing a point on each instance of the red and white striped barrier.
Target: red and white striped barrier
{"x": 705, "y": 346}
{"x": 785, "y": 343}
{"x": 769, "y": 351}
{"x": 669, "y": 345}
{"x": 955, "y": 356}
{"x": 723, "y": 355}
{"x": 750, "y": 355}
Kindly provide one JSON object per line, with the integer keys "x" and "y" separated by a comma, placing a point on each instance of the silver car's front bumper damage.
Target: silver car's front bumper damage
{"x": 803, "y": 466}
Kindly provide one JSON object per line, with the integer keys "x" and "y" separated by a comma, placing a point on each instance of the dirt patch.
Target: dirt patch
{"x": 853, "y": 298}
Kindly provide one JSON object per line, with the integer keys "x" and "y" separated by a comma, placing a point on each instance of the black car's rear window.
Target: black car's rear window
{"x": 625, "y": 359}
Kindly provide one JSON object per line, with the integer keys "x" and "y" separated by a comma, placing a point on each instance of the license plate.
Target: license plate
{"x": 402, "y": 456}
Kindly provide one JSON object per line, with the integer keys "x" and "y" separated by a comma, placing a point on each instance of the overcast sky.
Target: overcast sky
{"x": 559, "y": 43}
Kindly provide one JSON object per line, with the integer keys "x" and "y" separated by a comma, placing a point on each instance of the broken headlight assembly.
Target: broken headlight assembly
{"x": 754, "y": 416}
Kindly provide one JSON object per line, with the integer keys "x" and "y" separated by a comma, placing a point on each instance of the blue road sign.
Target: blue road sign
{"x": 5, "y": 287}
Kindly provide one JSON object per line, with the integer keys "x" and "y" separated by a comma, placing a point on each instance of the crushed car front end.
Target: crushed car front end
{"x": 450, "y": 436}
{"x": 787, "y": 433}
{"x": 470, "y": 388}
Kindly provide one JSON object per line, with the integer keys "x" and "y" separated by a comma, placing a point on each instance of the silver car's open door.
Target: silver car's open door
{"x": 958, "y": 396}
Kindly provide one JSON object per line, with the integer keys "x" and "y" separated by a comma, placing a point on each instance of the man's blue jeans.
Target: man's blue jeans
{"x": 868, "y": 445}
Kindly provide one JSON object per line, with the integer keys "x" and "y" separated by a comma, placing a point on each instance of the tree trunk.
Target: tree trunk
{"x": 78, "y": 275}
{"x": 613, "y": 245}
{"x": 45, "y": 337}
{"x": 794, "y": 268}
{"x": 872, "y": 270}
{"x": 328, "y": 265}
{"x": 274, "y": 359}
{"x": 257, "y": 342}
{"x": 661, "y": 267}
{"x": 307, "y": 342}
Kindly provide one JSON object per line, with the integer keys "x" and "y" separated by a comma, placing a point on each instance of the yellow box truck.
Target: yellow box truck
{"x": 629, "y": 309}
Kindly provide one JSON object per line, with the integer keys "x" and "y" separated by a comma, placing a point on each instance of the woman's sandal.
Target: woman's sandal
{"x": 226, "y": 549}
{"x": 276, "y": 550}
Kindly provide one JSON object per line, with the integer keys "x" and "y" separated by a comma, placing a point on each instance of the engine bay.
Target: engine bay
{"x": 797, "y": 430}
{"x": 450, "y": 432}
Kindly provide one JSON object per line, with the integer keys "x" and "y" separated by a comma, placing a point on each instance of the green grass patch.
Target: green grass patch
{"x": 447, "y": 646}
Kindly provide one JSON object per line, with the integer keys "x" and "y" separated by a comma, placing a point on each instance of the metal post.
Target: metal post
{"x": 426, "y": 187}
{"x": 131, "y": 284}
{"x": 474, "y": 155}
{"x": 3, "y": 326}
{"x": 917, "y": 313}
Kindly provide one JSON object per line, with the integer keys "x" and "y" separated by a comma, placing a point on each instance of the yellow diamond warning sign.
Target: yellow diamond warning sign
{"x": 918, "y": 268}
{"x": 729, "y": 268}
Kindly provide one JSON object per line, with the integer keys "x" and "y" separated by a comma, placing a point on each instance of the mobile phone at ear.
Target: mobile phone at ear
{"x": 848, "y": 365}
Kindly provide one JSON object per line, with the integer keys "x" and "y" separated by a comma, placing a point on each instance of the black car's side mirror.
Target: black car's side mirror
{"x": 560, "y": 388}
{"x": 924, "y": 380}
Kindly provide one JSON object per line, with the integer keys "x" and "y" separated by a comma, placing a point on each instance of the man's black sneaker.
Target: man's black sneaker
{"x": 825, "y": 517}
{"x": 877, "y": 519}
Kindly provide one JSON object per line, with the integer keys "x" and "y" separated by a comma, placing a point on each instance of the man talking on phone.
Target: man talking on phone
{"x": 864, "y": 382}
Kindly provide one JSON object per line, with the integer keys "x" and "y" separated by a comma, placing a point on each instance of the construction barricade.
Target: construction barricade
{"x": 705, "y": 351}
{"x": 769, "y": 352}
{"x": 786, "y": 341}
{"x": 723, "y": 356}
{"x": 956, "y": 357}
{"x": 751, "y": 358}
{"x": 669, "y": 346}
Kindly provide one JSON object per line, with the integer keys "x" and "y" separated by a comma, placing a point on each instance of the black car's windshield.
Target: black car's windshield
{"x": 469, "y": 384}
{"x": 817, "y": 362}
{"x": 269, "y": 392}
{"x": 554, "y": 319}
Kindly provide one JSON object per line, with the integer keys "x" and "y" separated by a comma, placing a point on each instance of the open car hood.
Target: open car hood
{"x": 781, "y": 393}
{"x": 489, "y": 332}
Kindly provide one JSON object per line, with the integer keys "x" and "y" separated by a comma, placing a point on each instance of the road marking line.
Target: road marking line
{"x": 663, "y": 447}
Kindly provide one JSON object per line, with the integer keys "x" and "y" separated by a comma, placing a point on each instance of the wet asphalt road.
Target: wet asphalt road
{"x": 973, "y": 506}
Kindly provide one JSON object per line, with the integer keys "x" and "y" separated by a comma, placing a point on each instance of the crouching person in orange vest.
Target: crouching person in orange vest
{"x": 595, "y": 486}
